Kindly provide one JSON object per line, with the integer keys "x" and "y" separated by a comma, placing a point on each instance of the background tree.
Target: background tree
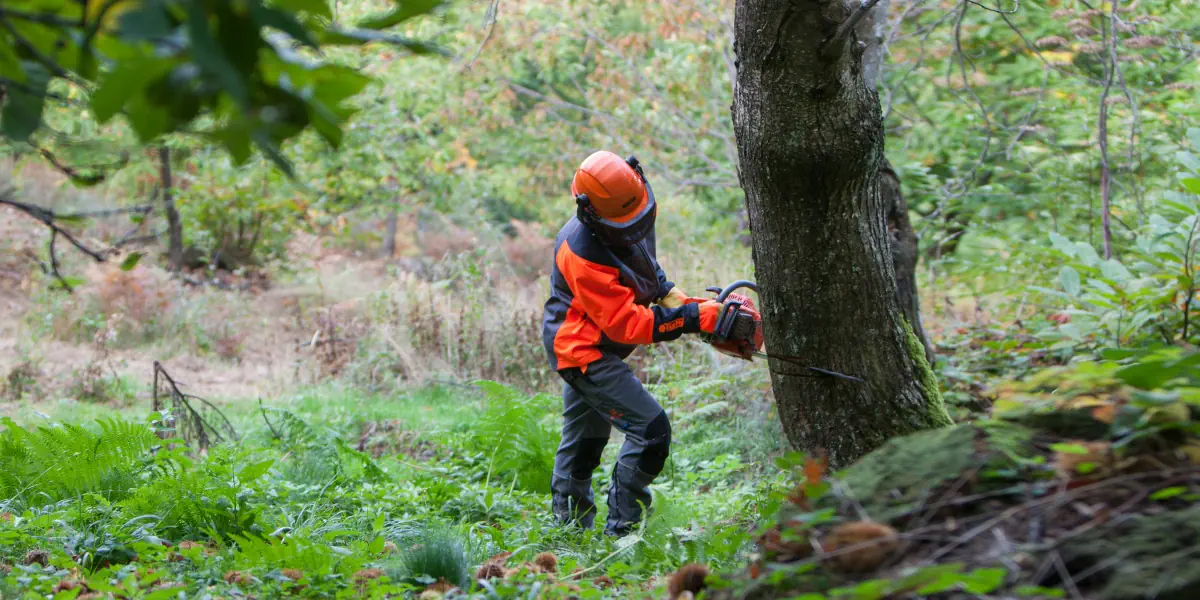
{"x": 810, "y": 138}
{"x": 242, "y": 76}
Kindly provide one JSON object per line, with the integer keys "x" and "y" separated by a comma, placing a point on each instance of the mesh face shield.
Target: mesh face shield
{"x": 626, "y": 232}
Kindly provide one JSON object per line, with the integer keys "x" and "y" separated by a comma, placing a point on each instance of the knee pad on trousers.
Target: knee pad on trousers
{"x": 658, "y": 445}
{"x": 587, "y": 457}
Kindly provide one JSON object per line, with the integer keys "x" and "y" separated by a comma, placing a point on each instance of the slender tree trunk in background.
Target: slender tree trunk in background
{"x": 872, "y": 31}
{"x": 905, "y": 246}
{"x": 389, "y": 235}
{"x": 1110, "y": 43}
{"x": 174, "y": 225}
{"x": 810, "y": 144}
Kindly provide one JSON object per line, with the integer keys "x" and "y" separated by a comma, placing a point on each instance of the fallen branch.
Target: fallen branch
{"x": 193, "y": 427}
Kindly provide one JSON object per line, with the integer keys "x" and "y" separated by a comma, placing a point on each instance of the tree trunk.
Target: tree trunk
{"x": 174, "y": 225}
{"x": 872, "y": 31}
{"x": 810, "y": 145}
{"x": 905, "y": 248}
{"x": 389, "y": 235}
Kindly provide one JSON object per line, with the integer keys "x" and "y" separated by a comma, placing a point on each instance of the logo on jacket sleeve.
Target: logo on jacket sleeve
{"x": 671, "y": 325}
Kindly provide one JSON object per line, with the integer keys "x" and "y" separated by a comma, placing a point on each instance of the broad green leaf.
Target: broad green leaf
{"x": 1062, "y": 244}
{"x": 1069, "y": 278}
{"x": 313, "y": 7}
{"x": 1069, "y": 448}
{"x": 984, "y": 581}
{"x": 236, "y": 141}
{"x": 356, "y": 37}
{"x": 21, "y": 114}
{"x": 253, "y": 471}
{"x": 1169, "y": 492}
{"x": 1117, "y": 353}
{"x": 1145, "y": 375}
{"x": 131, "y": 261}
{"x": 1191, "y": 183}
{"x": 10, "y": 64}
{"x": 147, "y": 22}
{"x": 1188, "y": 160}
{"x": 405, "y": 10}
{"x": 1087, "y": 253}
{"x": 148, "y": 119}
{"x": 278, "y": 19}
{"x": 1194, "y": 136}
{"x": 211, "y": 56}
{"x": 126, "y": 79}
{"x": 1033, "y": 591}
{"x": 272, "y": 151}
{"x": 73, "y": 281}
{"x": 1115, "y": 270}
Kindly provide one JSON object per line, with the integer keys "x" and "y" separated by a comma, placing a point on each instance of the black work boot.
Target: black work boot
{"x": 572, "y": 502}
{"x": 628, "y": 494}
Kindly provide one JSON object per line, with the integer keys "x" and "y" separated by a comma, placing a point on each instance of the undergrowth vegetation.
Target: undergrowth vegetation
{"x": 372, "y": 326}
{"x": 302, "y": 504}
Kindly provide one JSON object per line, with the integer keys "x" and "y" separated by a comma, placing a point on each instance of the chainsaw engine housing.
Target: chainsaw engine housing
{"x": 739, "y": 328}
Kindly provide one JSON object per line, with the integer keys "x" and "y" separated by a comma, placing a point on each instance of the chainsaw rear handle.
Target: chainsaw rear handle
{"x": 722, "y": 294}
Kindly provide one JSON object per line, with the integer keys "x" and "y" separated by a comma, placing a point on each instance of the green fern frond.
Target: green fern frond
{"x": 64, "y": 460}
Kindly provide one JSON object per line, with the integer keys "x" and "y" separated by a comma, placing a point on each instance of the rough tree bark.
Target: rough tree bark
{"x": 872, "y": 31}
{"x": 905, "y": 251}
{"x": 174, "y": 224}
{"x": 810, "y": 145}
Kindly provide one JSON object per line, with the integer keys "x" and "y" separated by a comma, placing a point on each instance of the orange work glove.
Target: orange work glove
{"x": 674, "y": 299}
{"x": 710, "y": 311}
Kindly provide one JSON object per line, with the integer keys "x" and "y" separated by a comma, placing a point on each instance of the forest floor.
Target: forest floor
{"x": 385, "y": 449}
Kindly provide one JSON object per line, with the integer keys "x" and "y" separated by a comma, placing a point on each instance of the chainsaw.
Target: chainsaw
{"x": 738, "y": 332}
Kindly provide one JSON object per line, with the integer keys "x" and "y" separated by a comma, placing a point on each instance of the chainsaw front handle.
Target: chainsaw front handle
{"x": 722, "y": 294}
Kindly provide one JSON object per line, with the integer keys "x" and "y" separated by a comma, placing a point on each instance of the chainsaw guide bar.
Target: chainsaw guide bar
{"x": 740, "y": 320}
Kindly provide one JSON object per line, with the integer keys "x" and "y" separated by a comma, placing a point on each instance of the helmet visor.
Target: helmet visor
{"x": 629, "y": 231}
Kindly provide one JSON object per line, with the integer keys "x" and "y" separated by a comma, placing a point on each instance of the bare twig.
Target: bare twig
{"x": 74, "y": 173}
{"x": 1016, "y": 8}
{"x": 263, "y": 410}
{"x": 489, "y": 23}
{"x": 1065, "y": 576}
{"x": 54, "y": 263}
{"x": 47, "y": 217}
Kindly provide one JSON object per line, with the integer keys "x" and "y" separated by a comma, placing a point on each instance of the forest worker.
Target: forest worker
{"x": 603, "y": 281}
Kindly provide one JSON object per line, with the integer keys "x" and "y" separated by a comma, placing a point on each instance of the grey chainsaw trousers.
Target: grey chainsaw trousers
{"x": 608, "y": 394}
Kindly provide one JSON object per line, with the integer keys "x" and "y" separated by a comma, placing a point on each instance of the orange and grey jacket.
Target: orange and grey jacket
{"x": 600, "y": 299}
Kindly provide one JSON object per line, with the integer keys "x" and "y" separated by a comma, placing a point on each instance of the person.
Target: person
{"x": 605, "y": 277}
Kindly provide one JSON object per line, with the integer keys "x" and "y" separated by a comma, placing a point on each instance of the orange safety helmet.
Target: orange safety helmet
{"x": 614, "y": 199}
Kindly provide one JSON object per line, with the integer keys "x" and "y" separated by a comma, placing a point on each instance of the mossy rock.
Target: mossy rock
{"x": 903, "y": 472}
{"x": 1073, "y": 423}
{"x": 1149, "y": 556}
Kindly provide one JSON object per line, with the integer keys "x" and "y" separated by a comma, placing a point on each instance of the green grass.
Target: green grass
{"x": 295, "y": 498}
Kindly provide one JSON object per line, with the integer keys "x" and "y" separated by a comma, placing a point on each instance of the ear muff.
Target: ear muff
{"x": 585, "y": 212}
{"x": 633, "y": 162}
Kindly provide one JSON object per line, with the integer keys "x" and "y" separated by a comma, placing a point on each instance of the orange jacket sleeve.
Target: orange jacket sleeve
{"x": 610, "y": 304}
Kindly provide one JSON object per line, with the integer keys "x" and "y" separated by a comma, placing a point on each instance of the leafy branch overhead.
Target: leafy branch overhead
{"x": 243, "y": 74}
